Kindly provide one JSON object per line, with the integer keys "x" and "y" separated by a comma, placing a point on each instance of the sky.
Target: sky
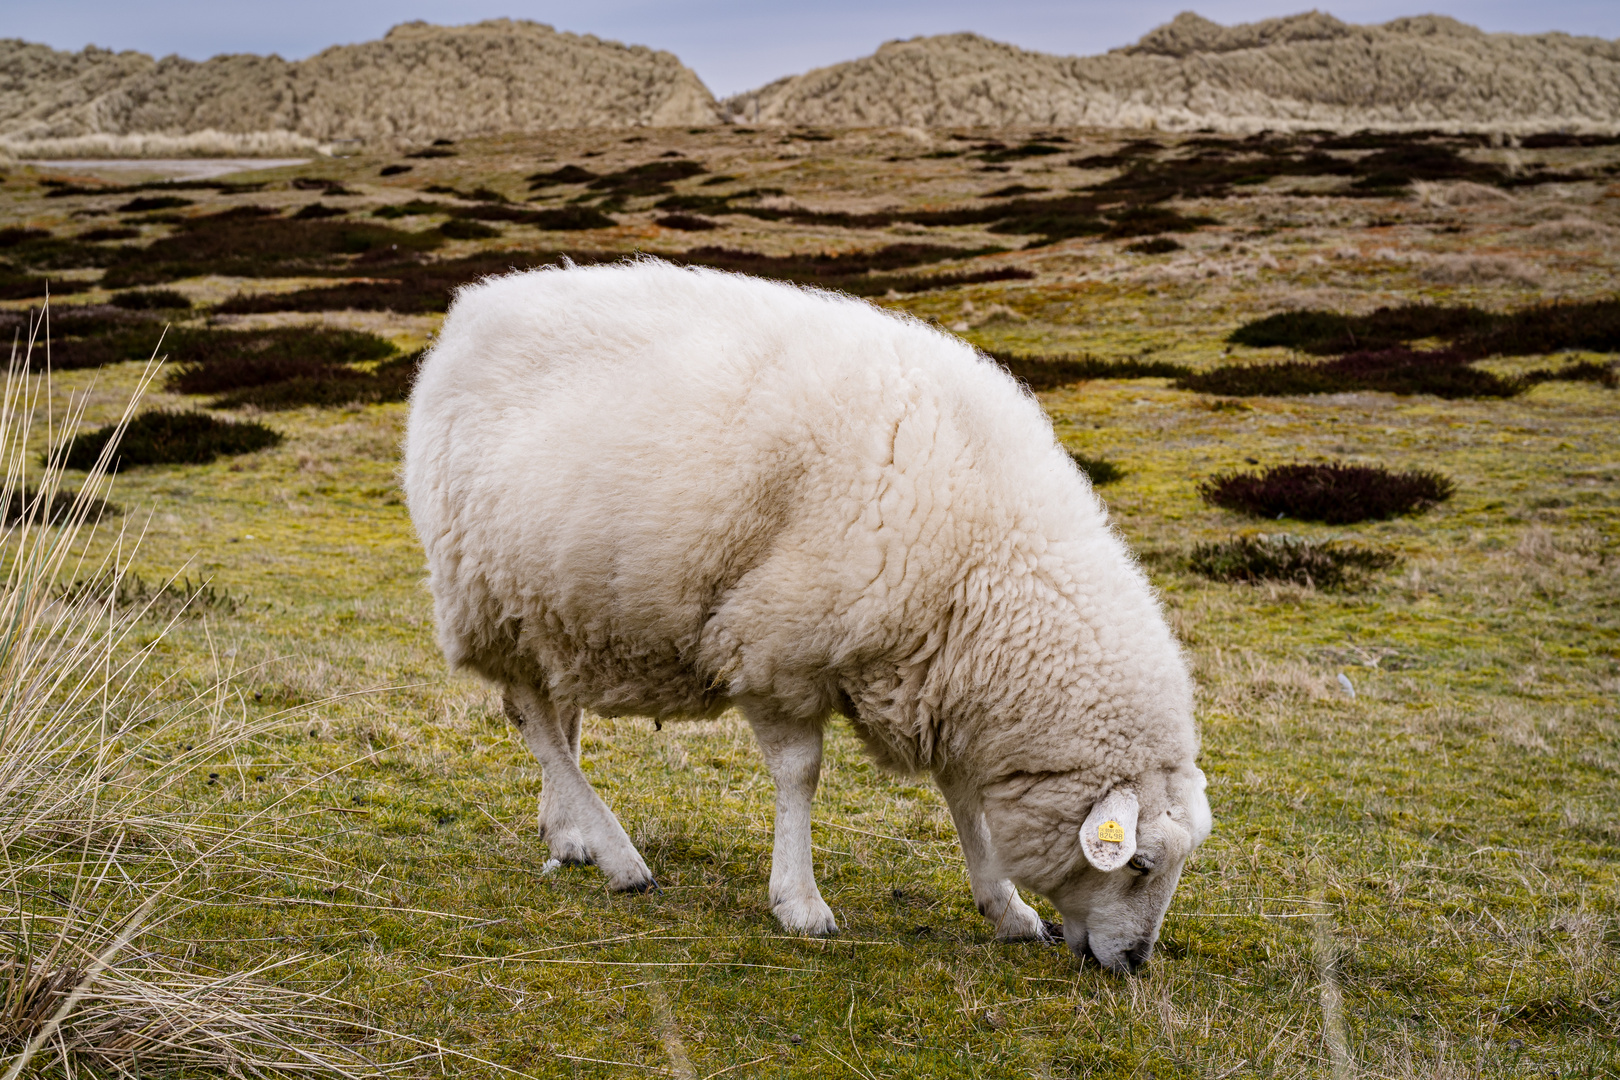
{"x": 733, "y": 45}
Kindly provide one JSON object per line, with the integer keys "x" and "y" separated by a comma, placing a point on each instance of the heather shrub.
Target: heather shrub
{"x": 570, "y": 219}
{"x": 410, "y": 288}
{"x": 143, "y": 203}
{"x": 462, "y": 229}
{"x": 1158, "y": 245}
{"x": 1333, "y": 493}
{"x": 653, "y": 178}
{"x": 428, "y": 287}
{"x": 1147, "y": 220}
{"x": 162, "y": 437}
{"x": 83, "y": 337}
{"x": 687, "y": 222}
{"x": 1530, "y": 331}
{"x": 110, "y": 232}
{"x": 1443, "y": 373}
{"x": 998, "y": 152}
{"x": 220, "y": 361}
{"x": 1099, "y": 471}
{"x": 317, "y": 210}
{"x": 913, "y": 283}
{"x": 26, "y": 504}
{"x": 151, "y": 300}
{"x": 567, "y": 174}
{"x": 1051, "y": 372}
{"x": 1581, "y": 371}
{"x": 1321, "y": 564}
{"x": 333, "y": 387}
{"x": 11, "y": 237}
{"x": 244, "y": 243}
{"x": 15, "y": 286}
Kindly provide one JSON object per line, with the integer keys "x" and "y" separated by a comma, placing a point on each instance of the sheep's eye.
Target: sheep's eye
{"x": 1141, "y": 865}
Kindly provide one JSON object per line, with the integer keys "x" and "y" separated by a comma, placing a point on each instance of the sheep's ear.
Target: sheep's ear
{"x": 1108, "y": 837}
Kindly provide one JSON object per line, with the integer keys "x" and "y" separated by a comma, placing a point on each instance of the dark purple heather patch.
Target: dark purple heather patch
{"x": 1333, "y": 493}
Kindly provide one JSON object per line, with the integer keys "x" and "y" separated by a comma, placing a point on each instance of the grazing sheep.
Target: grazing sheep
{"x": 660, "y": 491}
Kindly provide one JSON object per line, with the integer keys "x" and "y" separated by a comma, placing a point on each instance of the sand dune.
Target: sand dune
{"x": 1304, "y": 71}
{"x": 419, "y": 82}
{"x": 422, "y": 82}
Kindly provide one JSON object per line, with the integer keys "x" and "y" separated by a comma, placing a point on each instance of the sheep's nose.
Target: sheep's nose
{"x": 1137, "y": 955}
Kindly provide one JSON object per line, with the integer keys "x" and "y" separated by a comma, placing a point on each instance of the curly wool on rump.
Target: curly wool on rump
{"x": 663, "y": 491}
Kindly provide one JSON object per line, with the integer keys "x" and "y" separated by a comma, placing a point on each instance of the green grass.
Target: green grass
{"x": 1420, "y": 880}
{"x": 1444, "y": 844}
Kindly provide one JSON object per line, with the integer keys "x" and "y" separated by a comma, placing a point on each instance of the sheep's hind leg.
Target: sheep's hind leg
{"x": 558, "y": 829}
{"x": 792, "y": 751}
{"x": 996, "y": 897}
{"x": 575, "y": 822}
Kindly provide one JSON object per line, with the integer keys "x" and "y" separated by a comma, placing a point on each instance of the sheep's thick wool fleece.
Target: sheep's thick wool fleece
{"x": 658, "y": 490}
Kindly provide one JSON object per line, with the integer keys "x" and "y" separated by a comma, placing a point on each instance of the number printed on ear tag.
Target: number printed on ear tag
{"x": 1111, "y": 830}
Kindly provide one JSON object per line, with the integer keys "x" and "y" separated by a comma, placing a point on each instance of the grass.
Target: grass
{"x": 107, "y": 829}
{"x": 1315, "y": 564}
{"x": 1420, "y": 880}
{"x": 1334, "y": 493}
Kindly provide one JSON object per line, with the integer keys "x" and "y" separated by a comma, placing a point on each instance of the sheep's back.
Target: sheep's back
{"x": 655, "y": 487}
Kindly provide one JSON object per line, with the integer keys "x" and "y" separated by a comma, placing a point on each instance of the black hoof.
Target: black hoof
{"x": 640, "y": 887}
{"x": 577, "y": 860}
{"x": 1053, "y": 931}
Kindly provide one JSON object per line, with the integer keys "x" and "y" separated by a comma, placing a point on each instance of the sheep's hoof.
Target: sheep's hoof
{"x": 647, "y": 885}
{"x": 1020, "y": 923}
{"x": 1051, "y": 932}
{"x": 813, "y": 917}
{"x": 567, "y": 846}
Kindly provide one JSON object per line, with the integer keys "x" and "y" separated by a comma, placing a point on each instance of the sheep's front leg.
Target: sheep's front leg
{"x": 792, "y": 752}
{"x": 574, "y": 820}
{"x": 996, "y": 897}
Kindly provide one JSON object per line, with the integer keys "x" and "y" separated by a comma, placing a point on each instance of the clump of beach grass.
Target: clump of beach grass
{"x": 108, "y": 830}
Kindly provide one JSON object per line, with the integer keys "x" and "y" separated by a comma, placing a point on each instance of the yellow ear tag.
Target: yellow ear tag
{"x": 1111, "y": 830}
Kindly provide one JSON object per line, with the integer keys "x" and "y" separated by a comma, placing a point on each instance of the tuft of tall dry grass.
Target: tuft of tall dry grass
{"x": 106, "y": 829}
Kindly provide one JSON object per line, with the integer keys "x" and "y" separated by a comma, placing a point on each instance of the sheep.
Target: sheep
{"x": 668, "y": 492}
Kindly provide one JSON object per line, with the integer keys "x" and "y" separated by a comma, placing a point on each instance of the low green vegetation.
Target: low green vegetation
{"x": 1409, "y": 721}
{"x": 1315, "y": 564}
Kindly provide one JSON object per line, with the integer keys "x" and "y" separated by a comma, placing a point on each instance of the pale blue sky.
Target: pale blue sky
{"x": 733, "y": 45}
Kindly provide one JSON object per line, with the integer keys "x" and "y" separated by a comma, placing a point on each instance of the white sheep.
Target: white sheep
{"x": 666, "y": 492}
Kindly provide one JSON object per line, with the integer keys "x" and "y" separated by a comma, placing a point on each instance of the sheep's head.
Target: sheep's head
{"x": 1112, "y": 878}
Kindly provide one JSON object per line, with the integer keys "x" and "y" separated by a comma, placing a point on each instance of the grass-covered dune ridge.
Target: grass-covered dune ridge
{"x": 1299, "y": 72}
